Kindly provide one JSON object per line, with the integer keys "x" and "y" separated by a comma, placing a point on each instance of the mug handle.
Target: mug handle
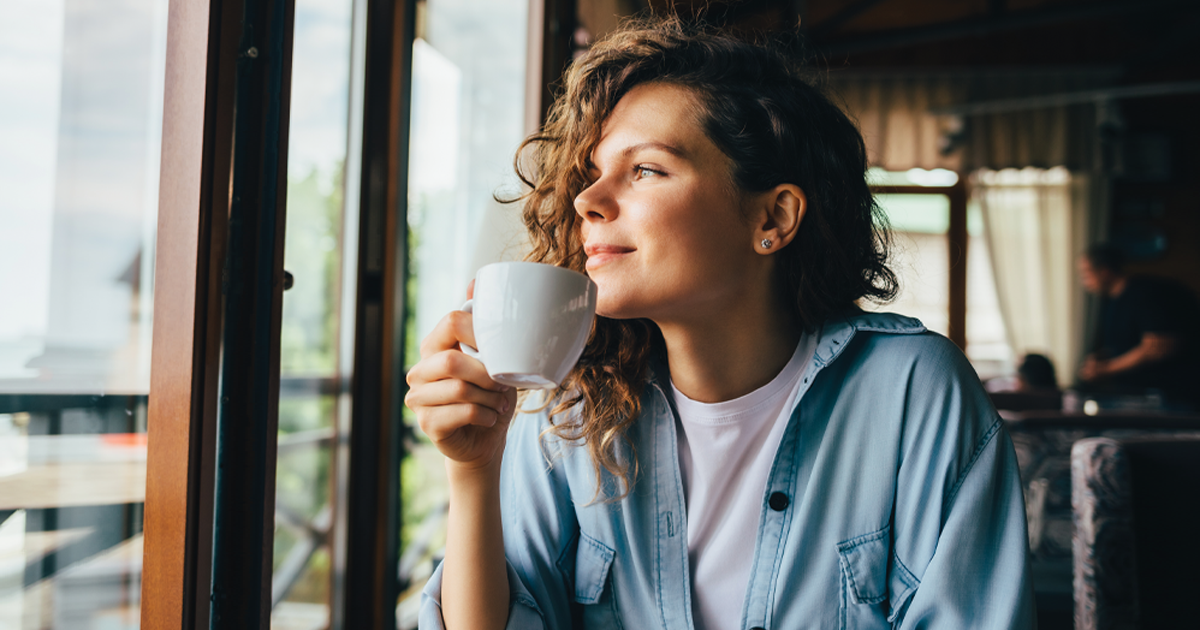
{"x": 469, "y": 306}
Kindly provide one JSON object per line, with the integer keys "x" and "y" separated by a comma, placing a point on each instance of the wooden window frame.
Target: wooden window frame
{"x": 371, "y": 586}
{"x": 205, "y": 46}
{"x": 958, "y": 239}
{"x": 192, "y": 230}
{"x": 213, "y": 411}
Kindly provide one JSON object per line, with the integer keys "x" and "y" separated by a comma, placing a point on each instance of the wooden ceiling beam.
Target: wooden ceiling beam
{"x": 842, "y": 17}
{"x": 975, "y": 27}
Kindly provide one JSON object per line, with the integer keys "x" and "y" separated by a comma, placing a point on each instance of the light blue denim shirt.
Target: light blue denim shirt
{"x": 893, "y": 502}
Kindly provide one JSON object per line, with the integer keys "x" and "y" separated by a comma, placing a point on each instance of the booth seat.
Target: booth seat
{"x": 1136, "y": 503}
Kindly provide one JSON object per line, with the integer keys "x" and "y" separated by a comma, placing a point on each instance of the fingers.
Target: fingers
{"x": 442, "y": 423}
{"x": 456, "y": 327}
{"x": 449, "y": 391}
{"x": 451, "y": 364}
{"x": 471, "y": 289}
{"x": 453, "y": 392}
{"x": 442, "y": 417}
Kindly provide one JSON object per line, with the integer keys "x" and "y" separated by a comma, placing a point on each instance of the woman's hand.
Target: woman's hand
{"x": 462, "y": 410}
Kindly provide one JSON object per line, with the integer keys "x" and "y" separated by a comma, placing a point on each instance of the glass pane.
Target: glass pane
{"x": 467, "y": 120}
{"x": 304, "y": 489}
{"x": 80, "y": 131}
{"x": 920, "y": 257}
{"x": 316, "y": 333}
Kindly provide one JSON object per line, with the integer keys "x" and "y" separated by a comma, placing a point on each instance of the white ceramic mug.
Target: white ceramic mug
{"x": 531, "y": 322}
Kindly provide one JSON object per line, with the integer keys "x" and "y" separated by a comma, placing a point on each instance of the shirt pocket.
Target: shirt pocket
{"x": 594, "y": 591}
{"x": 876, "y": 586}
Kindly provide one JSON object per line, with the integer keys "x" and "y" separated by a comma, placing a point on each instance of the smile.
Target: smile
{"x": 603, "y": 253}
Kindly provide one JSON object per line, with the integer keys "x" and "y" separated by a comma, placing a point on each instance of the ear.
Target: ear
{"x": 777, "y": 217}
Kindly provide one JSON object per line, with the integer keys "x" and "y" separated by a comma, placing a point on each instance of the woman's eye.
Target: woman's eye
{"x": 643, "y": 172}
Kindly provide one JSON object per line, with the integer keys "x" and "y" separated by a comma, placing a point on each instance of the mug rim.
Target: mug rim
{"x": 530, "y": 263}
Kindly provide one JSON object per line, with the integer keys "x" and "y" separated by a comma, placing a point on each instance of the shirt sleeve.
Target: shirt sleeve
{"x": 540, "y": 534}
{"x": 978, "y": 576}
{"x": 960, "y": 512}
{"x": 523, "y": 612}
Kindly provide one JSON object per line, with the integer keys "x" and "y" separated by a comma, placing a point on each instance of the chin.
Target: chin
{"x": 626, "y": 301}
{"x": 616, "y": 309}
{"x": 613, "y": 313}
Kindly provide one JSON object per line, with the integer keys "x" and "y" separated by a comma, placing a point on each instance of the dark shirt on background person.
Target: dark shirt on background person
{"x": 1146, "y": 339}
{"x": 1149, "y": 306}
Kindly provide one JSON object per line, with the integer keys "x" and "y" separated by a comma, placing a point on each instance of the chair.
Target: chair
{"x": 1136, "y": 503}
{"x": 1043, "y": 441}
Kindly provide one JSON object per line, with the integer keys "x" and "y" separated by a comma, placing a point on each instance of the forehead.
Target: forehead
{"x": 655, "y": 113}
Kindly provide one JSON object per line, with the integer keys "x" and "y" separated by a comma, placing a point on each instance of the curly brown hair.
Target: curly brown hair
{"x": 761, "y": 107}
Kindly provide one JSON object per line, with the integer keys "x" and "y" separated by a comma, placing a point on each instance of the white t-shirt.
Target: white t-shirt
{"x": 725, "y": 454}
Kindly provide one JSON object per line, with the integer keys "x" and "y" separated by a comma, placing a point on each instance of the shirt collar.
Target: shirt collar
{"x": 837, "y": 333}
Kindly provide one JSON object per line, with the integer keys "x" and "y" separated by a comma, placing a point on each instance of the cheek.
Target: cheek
{"x": 717, "y": 236}
{"x": 706, "y": 218}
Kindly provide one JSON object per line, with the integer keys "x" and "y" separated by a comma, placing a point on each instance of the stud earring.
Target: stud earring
{"x": 766, "y": 243}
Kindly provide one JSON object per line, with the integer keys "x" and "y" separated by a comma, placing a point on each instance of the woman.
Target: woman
{"x": 740, "y": 446}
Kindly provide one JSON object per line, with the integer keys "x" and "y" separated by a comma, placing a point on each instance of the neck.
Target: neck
{"x": 730, "y": 353}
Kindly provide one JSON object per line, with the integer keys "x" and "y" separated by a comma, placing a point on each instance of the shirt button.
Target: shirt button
{"x": 778, "y": 501}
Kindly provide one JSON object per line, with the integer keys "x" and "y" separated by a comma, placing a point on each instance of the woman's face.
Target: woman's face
{"x": 663, "y": 226}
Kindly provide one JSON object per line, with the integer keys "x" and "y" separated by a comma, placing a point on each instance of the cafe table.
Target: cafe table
{"x": 70, "y": 523}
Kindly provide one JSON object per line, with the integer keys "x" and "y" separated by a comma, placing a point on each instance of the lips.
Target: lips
{"x": 602, "y": 253}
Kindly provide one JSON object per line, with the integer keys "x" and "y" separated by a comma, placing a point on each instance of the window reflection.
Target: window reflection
{"x": 468, "y": 117}
{"x": 80, "y": 132}
{"x": 79, "y": 167}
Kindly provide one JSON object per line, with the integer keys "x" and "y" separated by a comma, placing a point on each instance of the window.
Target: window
{"x": 317, "y": 327}
{"x": 950, "y": 290}
{"x": 80, "y": 131}
{"x": 468, "y": 118}
{"x": 920, "y": 255}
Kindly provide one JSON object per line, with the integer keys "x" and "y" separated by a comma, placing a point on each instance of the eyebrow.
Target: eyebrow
{"x": 630, "y": 150}
{"x": 651, "y": 144}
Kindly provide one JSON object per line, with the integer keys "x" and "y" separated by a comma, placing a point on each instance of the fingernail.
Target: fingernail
{"x": 504, "y": 405}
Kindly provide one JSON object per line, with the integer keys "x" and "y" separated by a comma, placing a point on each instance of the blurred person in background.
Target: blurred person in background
{"x": 1145, "y": 339}
{"x": 1036, "y": 374}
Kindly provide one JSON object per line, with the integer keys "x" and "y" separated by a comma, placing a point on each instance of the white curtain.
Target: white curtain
{"x": 1036, "y": 220}
{"x": 1036, "y": 224}
{"x": 895, "y": 112}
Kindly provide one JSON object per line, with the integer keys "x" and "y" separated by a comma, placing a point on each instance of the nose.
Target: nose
{"x": 596, "y": 203}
